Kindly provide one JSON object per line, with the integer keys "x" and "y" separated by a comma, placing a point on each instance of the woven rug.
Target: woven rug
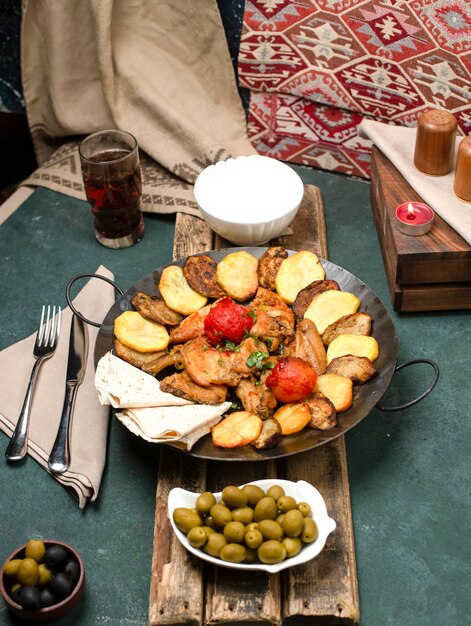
{"x": 316, "y": 68}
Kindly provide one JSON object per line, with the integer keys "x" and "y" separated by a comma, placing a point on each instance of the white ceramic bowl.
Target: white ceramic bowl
{"x": 249, "y": 200}
{"x": 300, "y": 491}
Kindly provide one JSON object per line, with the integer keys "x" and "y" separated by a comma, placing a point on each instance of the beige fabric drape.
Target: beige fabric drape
{"x": 158, "y": 69}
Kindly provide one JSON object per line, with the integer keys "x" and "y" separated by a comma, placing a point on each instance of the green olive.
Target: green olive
{"x": 234, "y": 532}
{"x": 243, "y": 514}
{"x": 208, "y": 529}
{"x": 265, "y": 509}
{"x": 197, "y": 537}
{"x": 280, "y": 518}
{"x": 35, "y": 549}
{"x": 204, "y": 502}
{"x": 234, "y": 497}
{"x": 292, "y": 546}
{"x": 305, "y": 508}
{"x": 250, "y": 555}
{"x": 271, "y": 529}
{"x": 310, "y": 532}
{"x": 251, "y": 526}
{"x": 186, "y": 519}
{"x": 271, "y": 552}
{"x": 293, "y": 523}
{"x": 45, "y": 575}
{"x": 233, "y": 552}
{"x": 286, "y": 503}
{"x": 253, "y": 538}
{"x": 28, "y": 572}
{"x": 221, "y": 515}
{"x": 208, "y": 521}
{"x": 11, "y": 568}
{"x": 215, "y": 543}
{"x": 254, "y": 494}
{"x": 276, "y": 492}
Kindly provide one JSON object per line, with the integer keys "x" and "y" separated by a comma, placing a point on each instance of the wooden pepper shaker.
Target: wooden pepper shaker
{"x": 462, "y": 182}
{"x": 435, "y": 142}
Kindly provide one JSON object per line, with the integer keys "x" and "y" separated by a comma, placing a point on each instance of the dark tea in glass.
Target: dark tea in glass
{"x": 112, "y": 180}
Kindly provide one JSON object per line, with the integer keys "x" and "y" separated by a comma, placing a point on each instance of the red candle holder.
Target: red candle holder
{"x": 414, "y": 218}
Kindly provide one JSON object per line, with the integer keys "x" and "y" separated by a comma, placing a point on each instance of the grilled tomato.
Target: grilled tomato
{"x": 227, "y": 321}
{"x": 292, "y": 379}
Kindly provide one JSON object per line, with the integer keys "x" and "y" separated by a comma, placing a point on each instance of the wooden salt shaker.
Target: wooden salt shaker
{"x": 462, "y": 182}
{"x": 435, "y": 142}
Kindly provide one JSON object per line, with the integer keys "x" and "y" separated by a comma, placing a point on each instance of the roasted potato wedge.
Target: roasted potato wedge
{"x": 329, "y": 306}
{"x": 323, "y": 413}
{"x": 155, "y": 309}
{"x": 269, "y": 264}
{"x": 293, "y": 417}
{"x": 139, "y": 333}
{"x": 270, "y": 435}
{"x": 237, "y": 275}
{"x": 306, "y": 295}
{"x": 200, "y": 272}
{"x": 354, "y": 324}
{"x": 357, "y": 345}
{"x": 296, "y": 272}
{"x": 236, "y": 430}
{"x": 338, "y": 389}
{"x": 359, "y": 368}
{"x": 177, "y": 293}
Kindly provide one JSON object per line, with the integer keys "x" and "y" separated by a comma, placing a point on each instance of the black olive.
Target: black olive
{"x": 61, "y": 585}
{"x": 47, "y": 597}
{"x": 29, "y": 598}
{"x": 72, "y": 569}
{"x": 56, "y": 557}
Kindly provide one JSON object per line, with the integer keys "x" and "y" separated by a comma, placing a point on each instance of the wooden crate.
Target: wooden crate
{"x": 184, "y": 589}
{"x": 431, "y": 272}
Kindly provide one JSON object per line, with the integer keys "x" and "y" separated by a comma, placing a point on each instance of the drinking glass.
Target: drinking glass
{"x": 112, "y": 180}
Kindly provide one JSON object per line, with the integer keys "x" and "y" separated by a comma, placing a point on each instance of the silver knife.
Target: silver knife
{"x": 59, "y": 459}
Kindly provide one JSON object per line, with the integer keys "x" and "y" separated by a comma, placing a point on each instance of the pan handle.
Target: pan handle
{"x": 69, "y": 300}
{"x": 400, "y": 407}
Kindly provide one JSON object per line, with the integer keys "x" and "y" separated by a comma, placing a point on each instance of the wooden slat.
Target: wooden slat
{"x": 325, "y": 590}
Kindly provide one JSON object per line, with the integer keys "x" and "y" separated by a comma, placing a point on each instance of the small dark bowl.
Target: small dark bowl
{"x": 55, "y": 611}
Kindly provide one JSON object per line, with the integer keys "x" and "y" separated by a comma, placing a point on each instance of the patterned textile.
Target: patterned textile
{"x": 315, "y": 68}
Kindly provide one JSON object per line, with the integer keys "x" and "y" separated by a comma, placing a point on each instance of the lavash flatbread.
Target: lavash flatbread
{"x": 186, "y": 424}
{"x": 124, "y": 386}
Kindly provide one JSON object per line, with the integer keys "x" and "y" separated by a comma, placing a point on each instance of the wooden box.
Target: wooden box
{"x": 431, "y": 272}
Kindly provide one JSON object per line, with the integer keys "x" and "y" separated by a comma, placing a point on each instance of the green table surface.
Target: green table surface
{"x": 409, "y": 471}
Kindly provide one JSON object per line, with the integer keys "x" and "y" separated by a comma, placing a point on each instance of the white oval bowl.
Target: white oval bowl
{"x": 250, "y": 199}
{"x": 301, "y": 491}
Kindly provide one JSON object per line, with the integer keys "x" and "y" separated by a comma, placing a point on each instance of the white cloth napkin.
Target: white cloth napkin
{"x": 398, "y": 144}
{"x": 90, "y": 418}
{"x": 149, "y": 412}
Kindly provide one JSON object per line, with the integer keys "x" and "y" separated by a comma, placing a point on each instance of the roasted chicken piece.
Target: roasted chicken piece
{"x": 270, "y": 435}
{"x": 269, "y": 264}
{"x": 309, "y": 346}
{"x": 191, "y": 327}
{"x": 358, "y": 368}
{"x": 323, "y": 413}
{"x": 354, "y": 324}
{"x": 142, "y": 360}
{"x": 273, "y": 319}
{"x": 155, "y": 309}
{"x": 207, "y": 365}
{"x": 256, "y": 397}
{"x": 181, "y": 385}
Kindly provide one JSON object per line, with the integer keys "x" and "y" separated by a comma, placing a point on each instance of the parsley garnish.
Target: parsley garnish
{"x": 258, "y": 359}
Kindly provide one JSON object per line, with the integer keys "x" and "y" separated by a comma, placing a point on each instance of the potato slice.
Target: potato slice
{"x": 236, "y": 430}
{"x": 357, "y": 345}
{"x": 139, "y": 333}
{"x": 177, "y": 293}
{"x": 306, "y": 295}
{"x": 329, "y": 306}
{"x": 293, "y": 417}
{"x": 297, "y": 272}
{"x": 237, "y": 275}
{"x": 338, "y": 389}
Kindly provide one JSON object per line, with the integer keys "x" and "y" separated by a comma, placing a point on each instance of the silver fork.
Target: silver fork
{"x": 45, "y": 345}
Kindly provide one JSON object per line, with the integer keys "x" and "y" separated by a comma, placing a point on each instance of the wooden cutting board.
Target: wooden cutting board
{"x": 186, "y": 590}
